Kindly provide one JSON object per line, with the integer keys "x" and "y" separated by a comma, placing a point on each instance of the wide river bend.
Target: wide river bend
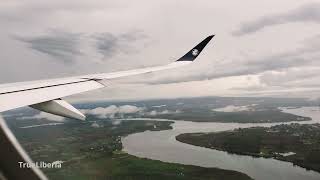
{"x": 162, "y": 145}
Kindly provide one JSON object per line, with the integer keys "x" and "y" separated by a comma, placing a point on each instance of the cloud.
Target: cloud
{"x": 305, "y": 13}
{"x": 112, "y": 111}
{"x": 96, "y": 125}
{"x": 155, "y": 113}
{"x": 35, "y": 10}
{"x": 63, "y": 46}
{"x": 44, "y": 115}
{"x": 282, "y": 82}
{"x": 232, "y": 108}
{"x": 69, "y": 38}
{"x": 68, "y": 47}
{"x": 293, "y": 77}
{"x": 109, "y": 44}
{"x": 116, "y": 122}
{"x": 305, "y": 55}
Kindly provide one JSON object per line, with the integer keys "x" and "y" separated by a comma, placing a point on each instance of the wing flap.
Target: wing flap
{"x": 61, "y": 108}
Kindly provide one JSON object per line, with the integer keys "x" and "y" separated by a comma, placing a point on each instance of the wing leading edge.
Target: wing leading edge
{"x": 45, "y": 95}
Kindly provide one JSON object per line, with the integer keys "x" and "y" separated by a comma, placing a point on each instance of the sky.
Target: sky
{"x": 261, "y": 48}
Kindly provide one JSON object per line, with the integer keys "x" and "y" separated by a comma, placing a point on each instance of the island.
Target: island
{"x": 296, "y": 143}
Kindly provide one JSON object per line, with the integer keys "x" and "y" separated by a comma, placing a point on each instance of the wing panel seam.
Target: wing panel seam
{"x": 42, "y": 87}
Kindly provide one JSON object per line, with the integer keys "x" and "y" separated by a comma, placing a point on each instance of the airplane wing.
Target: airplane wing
{"x": 45, "y": 95}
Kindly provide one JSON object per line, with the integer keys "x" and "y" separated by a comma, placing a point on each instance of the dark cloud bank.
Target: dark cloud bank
{"x": 66, "y": 47}
{"x": 306, "y": 13}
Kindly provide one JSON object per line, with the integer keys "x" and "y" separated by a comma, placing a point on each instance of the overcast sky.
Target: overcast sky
{"x": 261, "y": 48}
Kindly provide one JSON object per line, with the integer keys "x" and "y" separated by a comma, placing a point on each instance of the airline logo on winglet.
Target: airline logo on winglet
{"x": 194, "y": 52}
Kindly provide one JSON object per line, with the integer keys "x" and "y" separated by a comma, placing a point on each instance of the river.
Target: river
{"x": 162, "y": 145}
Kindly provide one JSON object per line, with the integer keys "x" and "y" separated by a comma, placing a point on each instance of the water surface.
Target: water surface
{"x": 162, "y": 145}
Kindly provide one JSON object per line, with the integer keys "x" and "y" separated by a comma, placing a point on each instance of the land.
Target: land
{"x": 296, "y": 143}
{"x": 205, "y": 109}
{"x": 93, "y": 150}
{"x": 253, "y": 116}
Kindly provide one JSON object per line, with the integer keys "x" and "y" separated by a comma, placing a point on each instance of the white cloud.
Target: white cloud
{"x": 116, "y": 122}
{"x": 112, "y": 111}
{"x": 155, "y": 113}
{"x": 232, "y": 108}
{"x": 95, "y": 125}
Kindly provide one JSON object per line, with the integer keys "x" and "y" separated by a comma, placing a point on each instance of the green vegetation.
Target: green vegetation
{"x": 92, "y": 150}
{"x": 295, "y": 143}
{"x": 255, "y": 116}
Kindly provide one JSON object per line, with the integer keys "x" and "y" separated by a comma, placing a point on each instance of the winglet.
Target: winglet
{"x": 194, "y": 52}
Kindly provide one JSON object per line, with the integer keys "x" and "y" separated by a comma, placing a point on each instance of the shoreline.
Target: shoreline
{"x": 209, "y": 140}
